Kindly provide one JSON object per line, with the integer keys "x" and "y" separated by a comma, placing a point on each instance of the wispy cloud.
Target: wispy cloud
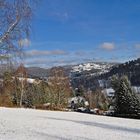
{"x": 34, "y": 53}
{"x": 109, "y": 46}
{"x": 41, "y": 62}
{"x": 60, "y": 15}
{"x": 76, "y": 53}
{"x": 24, "y": 42}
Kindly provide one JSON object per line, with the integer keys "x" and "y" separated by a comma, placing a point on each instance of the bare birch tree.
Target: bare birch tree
{"x": 15, "y": 16}
{"x": 21, "y": 77}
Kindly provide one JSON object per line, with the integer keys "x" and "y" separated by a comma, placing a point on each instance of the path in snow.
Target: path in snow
{"x": 29, "y": 124}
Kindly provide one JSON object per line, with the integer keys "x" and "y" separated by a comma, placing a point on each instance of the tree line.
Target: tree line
{"x": 16, "y": 90}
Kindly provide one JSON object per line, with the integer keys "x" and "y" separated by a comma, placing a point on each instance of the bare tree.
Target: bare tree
{"x": 97, "y": 99}
{"x": 21, "y": 77}
{"x": 59, "y": 87}
{"x": 15, "y": 16}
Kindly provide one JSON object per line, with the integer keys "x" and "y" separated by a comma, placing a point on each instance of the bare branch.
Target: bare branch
{"x": 9, "y": 30}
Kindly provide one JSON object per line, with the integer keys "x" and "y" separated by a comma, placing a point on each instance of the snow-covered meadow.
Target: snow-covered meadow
{"x": 29, "y": 124}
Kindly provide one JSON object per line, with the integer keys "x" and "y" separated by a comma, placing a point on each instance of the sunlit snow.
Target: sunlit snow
{"x": 29, "y": 124}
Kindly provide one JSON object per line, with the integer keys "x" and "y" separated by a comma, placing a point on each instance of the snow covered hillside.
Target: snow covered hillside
{"x": 29, "y": 124}
{"x": 102, "y": 67}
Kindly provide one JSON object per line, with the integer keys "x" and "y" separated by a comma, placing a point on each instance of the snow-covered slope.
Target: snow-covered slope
{"x": 28, "y": 124}
{"x": 102, "y": 67}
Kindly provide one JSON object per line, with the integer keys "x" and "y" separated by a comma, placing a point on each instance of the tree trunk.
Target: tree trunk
{"x": 22, "y": 91}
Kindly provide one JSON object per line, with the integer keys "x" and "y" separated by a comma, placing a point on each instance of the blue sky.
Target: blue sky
{"x": 75, "y": 31}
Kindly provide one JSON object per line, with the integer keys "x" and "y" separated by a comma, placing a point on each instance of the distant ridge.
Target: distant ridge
{"x": 130, "y": 68}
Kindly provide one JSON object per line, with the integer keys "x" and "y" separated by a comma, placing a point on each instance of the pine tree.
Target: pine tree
{"x": 126, "y": 101}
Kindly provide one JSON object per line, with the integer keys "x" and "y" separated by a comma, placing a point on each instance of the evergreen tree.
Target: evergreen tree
{"x": 126, "y": 101}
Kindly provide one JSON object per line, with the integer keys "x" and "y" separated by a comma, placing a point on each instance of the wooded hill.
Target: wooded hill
{"x": 131, "y": 69}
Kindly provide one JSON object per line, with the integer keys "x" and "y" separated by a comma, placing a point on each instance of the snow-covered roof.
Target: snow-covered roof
{"x": 109, "y": 92}
{"x": 29, "y": 80}
{"x": 76, "y": 99}
{"x": 136, "y": 89}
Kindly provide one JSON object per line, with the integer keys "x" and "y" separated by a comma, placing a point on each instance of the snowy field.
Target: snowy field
{"x": 29, "y": 124}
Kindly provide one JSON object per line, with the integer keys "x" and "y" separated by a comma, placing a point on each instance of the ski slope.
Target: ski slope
{"x": 29, "y": 124}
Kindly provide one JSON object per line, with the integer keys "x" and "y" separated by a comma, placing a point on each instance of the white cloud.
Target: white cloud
{"x": 24, "y": 42}
{"x": 108, "y": 46}
{"x": 45, "y": 62}
{"x": 33, "y": 53}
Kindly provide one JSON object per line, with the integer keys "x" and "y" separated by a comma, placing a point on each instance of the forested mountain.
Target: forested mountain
{"x": 88, "y": 74}
{"x": 131, "y": 69}
{"x": 37, "y": 72}
{"x": 89, "y": 79}
{"x": 81, "y": 74}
